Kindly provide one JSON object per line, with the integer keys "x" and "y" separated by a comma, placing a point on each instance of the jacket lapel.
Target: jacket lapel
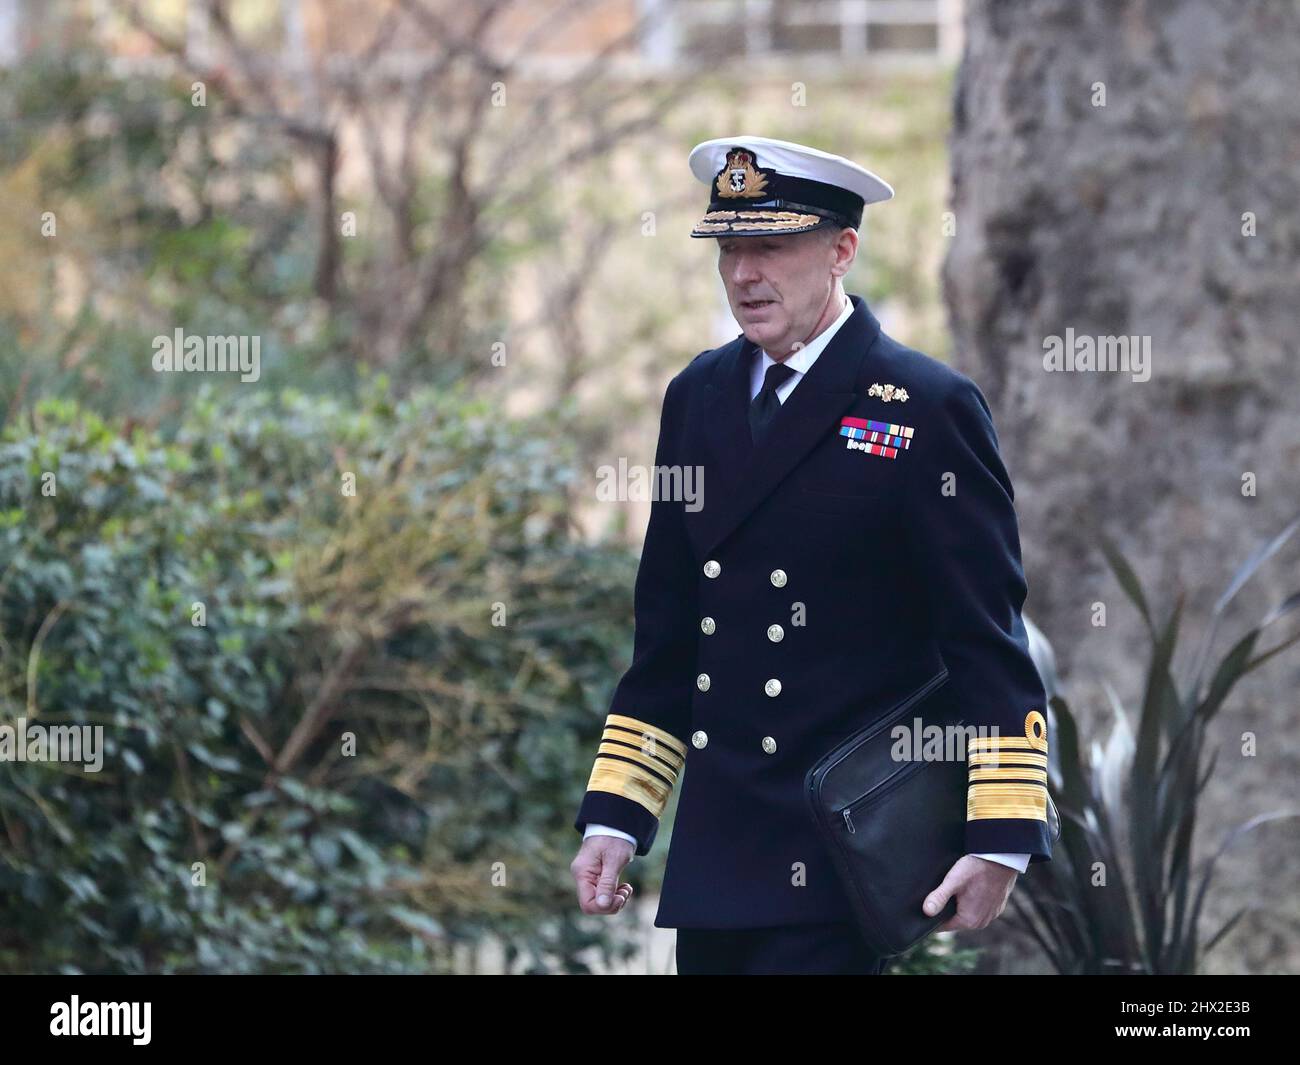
{"x": 725, "y": 425}
{"x": 744, "y": 475}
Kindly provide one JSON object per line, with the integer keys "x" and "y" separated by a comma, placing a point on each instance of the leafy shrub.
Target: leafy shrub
{"x": 328, "y": 616}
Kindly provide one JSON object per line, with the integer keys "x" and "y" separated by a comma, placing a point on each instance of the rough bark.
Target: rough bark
{"x": 1127, "y": 219}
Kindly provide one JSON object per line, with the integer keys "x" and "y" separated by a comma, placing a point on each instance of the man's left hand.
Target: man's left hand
{"x": 982, "y": 889}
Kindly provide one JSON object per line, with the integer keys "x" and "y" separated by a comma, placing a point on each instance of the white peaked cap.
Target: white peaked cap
{"x": 797, "y": 160}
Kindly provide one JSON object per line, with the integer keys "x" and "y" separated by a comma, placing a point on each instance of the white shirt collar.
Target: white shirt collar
{"x": 800, "y": 361}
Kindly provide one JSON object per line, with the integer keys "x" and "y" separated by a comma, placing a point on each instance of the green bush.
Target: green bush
{"x": 328, "y": 616}
{"x": 1129, "y": 807}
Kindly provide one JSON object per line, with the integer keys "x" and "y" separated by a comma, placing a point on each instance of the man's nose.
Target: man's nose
{"x": 744, "y": 268}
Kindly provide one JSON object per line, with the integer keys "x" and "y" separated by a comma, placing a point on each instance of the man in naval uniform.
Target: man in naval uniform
{"x": 857, "y": 536}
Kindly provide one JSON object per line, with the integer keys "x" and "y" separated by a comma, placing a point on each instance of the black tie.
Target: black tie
{"x": 763, "y": 407}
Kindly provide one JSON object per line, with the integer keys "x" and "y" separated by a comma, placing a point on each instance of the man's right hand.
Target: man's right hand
{"x": 596, "y": 868}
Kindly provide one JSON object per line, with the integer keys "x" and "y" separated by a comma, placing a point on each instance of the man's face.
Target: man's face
{"x": 779, "y": 286}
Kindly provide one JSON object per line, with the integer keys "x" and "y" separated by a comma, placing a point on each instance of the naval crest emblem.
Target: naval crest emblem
{"x": 739, "y": 178}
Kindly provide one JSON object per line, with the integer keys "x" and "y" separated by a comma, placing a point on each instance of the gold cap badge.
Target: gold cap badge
{"x": 739, "y": 178}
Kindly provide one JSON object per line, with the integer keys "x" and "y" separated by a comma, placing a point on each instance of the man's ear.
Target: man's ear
{"x": 846, "y": 251}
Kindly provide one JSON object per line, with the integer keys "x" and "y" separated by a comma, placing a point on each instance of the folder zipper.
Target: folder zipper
{"x": 877, "y": 793}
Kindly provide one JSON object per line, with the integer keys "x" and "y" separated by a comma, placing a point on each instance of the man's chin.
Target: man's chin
{"x": 762, "y": 333}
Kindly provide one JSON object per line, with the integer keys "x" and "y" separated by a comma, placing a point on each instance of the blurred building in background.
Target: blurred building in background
{"x": 888, "y": 32}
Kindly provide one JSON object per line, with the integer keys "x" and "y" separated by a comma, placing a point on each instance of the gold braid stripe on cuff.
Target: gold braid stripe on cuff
{"x": 664, "y": 744}
{"x": 1000, "y": 743}
{"x": 1006, "y": 758}
{"x": 622, "y": 750}
{"x": 649, "y": 791}
{"x": 986, "y": 801}
{"x": 637, "y": 761}
{"x": 1009, "y": 773}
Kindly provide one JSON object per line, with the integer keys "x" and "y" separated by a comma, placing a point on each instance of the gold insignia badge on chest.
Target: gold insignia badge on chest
{"x": 888, "y": 393}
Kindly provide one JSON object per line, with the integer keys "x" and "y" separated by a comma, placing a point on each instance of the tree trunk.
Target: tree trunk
{"x": 1133, "y": 170}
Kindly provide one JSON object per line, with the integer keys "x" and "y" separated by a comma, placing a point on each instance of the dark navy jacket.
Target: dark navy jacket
{"x": 848, "y": 577}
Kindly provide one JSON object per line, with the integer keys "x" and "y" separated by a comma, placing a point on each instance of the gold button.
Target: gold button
{"x": 707, "y": 625}
{"x": 775, "y": 633}
{"x": 699, "y": 739}
{"x": 712, "y": 568}
{"x": 778, "y": 578}
{"x": 769, "y": 745}
{"x": 773, "y": 687}
{"x": 702, "y": 682}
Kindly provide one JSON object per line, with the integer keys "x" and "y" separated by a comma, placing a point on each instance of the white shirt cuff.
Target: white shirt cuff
{"x": 1018, "y": 862}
